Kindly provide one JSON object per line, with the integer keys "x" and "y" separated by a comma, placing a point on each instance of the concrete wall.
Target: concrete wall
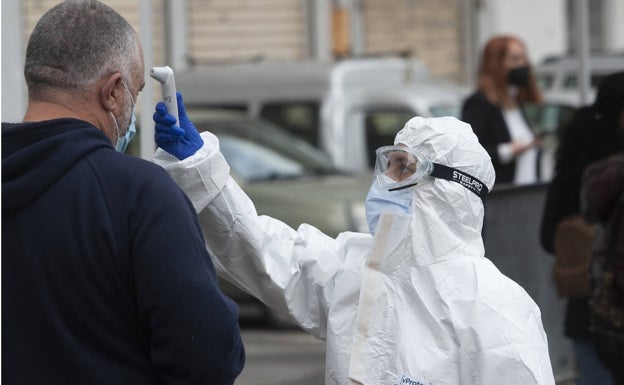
{"x": 613, "y": 14}
{"x": 541, "y": 24}
{"x": 230, "y": 30}
{"x": 13, "y": 84}
{"x": 431, "y": 29}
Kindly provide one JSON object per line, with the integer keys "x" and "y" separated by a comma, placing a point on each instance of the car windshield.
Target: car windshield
{"x": 257, "y": 150}
{"x": 254, "y": 162}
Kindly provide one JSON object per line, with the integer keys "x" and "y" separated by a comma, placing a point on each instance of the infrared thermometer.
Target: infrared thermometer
{"x": 164, "y": 75}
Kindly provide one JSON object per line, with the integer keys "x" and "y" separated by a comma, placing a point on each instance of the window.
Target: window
{"x": 381, "y": 128}
{"x": 570, "y": 82}
{"x": 300, "y": 118}
{"x": 545, "y": 81}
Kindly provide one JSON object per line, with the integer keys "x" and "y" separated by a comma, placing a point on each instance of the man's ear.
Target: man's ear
{"x": 111, "y": 97}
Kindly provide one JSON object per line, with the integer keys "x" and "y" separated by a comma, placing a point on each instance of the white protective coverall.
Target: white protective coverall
{"x": 417, "y": 304}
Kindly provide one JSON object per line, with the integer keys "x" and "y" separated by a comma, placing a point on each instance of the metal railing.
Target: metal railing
{"x": 511, "y": 234}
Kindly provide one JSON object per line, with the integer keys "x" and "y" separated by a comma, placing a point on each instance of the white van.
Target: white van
{"x": 558, "y": 75}
{"x": 347, "y": 108}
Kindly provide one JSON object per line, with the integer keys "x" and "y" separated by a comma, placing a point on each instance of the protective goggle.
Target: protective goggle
{"x": 400, "y": 167}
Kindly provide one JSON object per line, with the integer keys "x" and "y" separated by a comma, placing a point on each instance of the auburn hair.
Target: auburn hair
{"x": 492, "y": 77}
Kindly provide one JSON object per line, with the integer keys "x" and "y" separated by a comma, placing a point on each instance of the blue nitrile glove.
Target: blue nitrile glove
{"x": 180, "y": 141}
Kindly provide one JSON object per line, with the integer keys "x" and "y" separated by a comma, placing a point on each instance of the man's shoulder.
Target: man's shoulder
{"x": 136, "y": 183}
{"x": 123, "y": 166}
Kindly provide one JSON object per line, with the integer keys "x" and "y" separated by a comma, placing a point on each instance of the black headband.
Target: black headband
{"x": 468, "y": 181}
{"x": 454, "y": 175}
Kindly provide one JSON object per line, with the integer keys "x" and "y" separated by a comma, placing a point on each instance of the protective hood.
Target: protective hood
{"x": 35, "y": 155}
{"x": 446, "y": 218}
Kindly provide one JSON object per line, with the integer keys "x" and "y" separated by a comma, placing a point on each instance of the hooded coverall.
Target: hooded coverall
{"x": 418, "y": 303}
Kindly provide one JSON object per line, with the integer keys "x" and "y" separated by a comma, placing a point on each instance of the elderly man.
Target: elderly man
{"x": 105, "y": 276}
{"x": 417, "y": 302}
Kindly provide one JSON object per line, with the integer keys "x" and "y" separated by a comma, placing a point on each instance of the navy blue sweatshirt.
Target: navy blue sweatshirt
{"x": 105, "y": 276}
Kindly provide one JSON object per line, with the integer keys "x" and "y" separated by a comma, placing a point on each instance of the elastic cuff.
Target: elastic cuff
{"x": 202, "y": 175}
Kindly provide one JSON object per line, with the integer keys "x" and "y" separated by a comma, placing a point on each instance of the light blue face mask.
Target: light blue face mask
{"x": 123, "y": 141}
{"x": 380, "y": 200}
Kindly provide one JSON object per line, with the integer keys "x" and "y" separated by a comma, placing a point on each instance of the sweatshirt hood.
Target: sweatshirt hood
{"x": 35, "y": 155}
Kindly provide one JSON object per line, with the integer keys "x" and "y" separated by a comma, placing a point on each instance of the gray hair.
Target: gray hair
{"x": 78, "y": 42}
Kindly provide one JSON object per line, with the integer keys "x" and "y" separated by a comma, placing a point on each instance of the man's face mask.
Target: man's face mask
{"x": 123, "y": 141}
{"x": 398, "y": 168}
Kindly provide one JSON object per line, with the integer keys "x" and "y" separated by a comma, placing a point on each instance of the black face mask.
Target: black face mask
{"x": 519, "y": 76}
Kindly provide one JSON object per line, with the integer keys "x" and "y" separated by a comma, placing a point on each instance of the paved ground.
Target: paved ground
{"x": 285, "y": 355}
{"x": 280, "y": 357}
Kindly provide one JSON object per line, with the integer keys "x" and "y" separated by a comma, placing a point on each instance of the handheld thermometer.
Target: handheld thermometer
{"x": 164, "y": 75}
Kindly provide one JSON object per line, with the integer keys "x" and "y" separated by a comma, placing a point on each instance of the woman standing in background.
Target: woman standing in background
{"x": 505, "y": 82}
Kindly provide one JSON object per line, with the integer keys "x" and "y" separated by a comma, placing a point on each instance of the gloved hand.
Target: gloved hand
{"x": 180, "y": 141}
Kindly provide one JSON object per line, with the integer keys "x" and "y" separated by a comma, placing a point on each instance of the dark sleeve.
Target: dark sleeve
{"x": 602, "y": 186}
{"x": 195, "y": 338}
{"x": 477, "y": 111}
{"x": 563, "y": 193}
{"x": 550, "y": 217}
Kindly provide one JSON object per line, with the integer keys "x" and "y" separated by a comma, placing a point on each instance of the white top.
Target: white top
{"x": 519, "y": 130}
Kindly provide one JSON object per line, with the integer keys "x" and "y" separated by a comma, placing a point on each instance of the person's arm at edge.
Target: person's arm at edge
{"x": 194, "y": 332}
{"x": 600, "y": 188}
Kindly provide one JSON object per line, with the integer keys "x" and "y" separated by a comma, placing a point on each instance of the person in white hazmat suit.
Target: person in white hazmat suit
{"x": 415, "y": 303}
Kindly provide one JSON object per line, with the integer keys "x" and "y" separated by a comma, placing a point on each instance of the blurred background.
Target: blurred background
{"x": 301, "y": 92}
{"x": 446, "y": 36}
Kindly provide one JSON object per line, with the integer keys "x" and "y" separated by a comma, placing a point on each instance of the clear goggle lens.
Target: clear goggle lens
{"x": 399, "y": 166}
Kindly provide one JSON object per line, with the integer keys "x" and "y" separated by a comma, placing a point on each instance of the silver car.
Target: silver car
{"x": 287, "y": 179}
